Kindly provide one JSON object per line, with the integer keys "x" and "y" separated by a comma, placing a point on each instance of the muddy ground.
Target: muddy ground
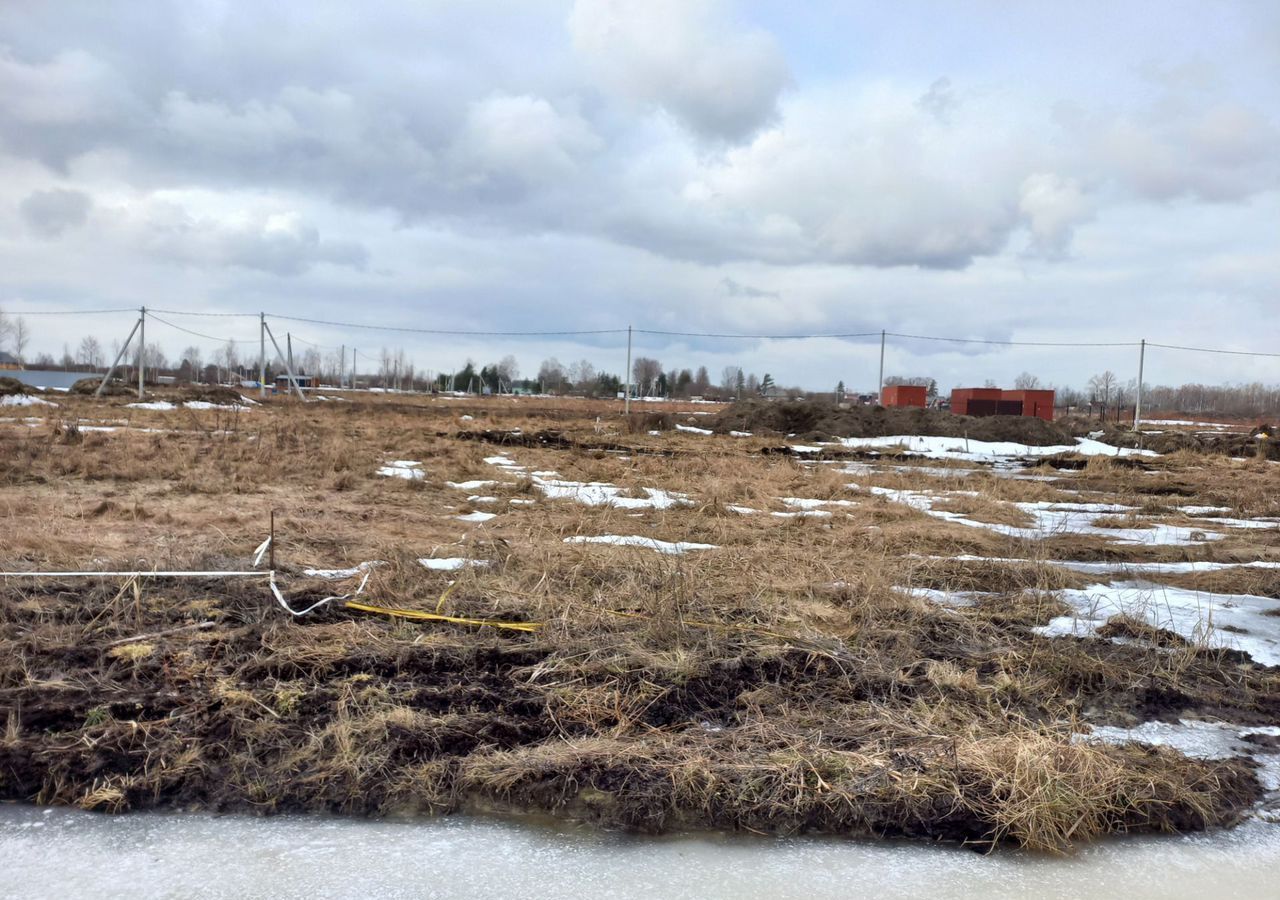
{"x": 785, "y": 681}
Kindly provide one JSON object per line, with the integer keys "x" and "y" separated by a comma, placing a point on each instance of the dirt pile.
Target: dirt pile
{"x": 212, "y": 393}
{"x": 817, "y": 420}
{"x": 115, "y": 387}
{"x": 10, "y": 387}
{"x": 1234, "y": 444}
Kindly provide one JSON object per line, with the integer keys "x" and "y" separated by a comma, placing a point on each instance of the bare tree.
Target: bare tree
{"x": 551, "y": 375}
{"x": 582, "y": 374}
{"x": 90, "y": 352}
{"x": 192, "y": 356}
{"x": 21, "y": 337}
{"x": 729, "y": 378}
{"x": 645, "y": 373}
{"x": 508, "y": 369}
{"x": 6, "y": 328}
{"x": 701, "y": 382}
{"x": 1102, "y": 387}
{"x": 1026, "y": 382}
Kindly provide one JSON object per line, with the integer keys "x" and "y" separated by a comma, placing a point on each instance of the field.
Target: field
{"x": 636, "y": 623}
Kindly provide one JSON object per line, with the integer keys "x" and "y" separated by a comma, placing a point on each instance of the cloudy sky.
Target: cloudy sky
{"x": 1061, "y": 172}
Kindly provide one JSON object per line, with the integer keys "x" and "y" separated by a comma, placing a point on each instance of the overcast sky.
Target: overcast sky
{"x": 1013, "y": 171}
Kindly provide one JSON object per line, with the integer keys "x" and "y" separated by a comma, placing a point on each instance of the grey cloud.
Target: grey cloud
{"x": 940, "y": 100}
{"x": 685, "y": 57}
{"x": 50, "y": 213}
{"x": 737, "y": 289}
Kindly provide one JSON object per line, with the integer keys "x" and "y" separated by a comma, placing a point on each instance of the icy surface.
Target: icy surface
{"x": 68, "y": 853}
{"x": 336, "y": 574}
{"x": 403, "y": 468}
{"x": 470, "y": 485}
{"x": 1052, "y": 519}
{"x": 934, "y": 447}
{"x": 477, "y": 516}
{"x": 602, "y": 493}
{"x": 636, "y": 540}
{"x": 452, "y": 564}
{"x": 23, "y": 400}
{"x": 152, "y": 404}
{"x": 1234, "y": 621}
{"x": 692, "y": 430}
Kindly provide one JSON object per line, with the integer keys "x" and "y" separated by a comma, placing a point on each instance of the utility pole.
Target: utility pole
{"x": 119, "y": 356}
{"x": 1137, "y": 408}
{"x": 288, "y": 342}
{"x": 262, "y": 354}
{"x": 880, "y": 389}
{"x": 342, "y": 364}
{"x": 142, "y": 349}
{"x": 626, "y": 401}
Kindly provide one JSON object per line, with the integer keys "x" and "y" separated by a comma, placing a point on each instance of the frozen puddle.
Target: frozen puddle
{"x": 635, "y": 540}
{"x": 403, "y": 468}
{"x": 69, "y": 853}
{"x": 1232, "y": 621}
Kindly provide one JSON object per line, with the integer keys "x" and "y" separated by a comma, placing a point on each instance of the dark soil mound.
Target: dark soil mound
{"x": 817, "y": 420}
{"x": 115, "y": 388}
{"x": 1228, "y": 444}
{"x": 11, "y": 387}
{"x": 212, "y": 393}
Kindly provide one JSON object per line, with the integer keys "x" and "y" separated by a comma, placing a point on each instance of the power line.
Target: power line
{"x": 69, "y": 312}
{"x": 200, "y": 334}
{"x": 408, "y": 330}
{"x": 927, "y": 337}
{"x": 1210, "y": 350}
{"x": 207, "y": 315}
{"x": 757, "y": 337}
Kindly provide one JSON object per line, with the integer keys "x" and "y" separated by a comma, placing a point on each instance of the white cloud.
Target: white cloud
{"x": 1053, "y": 207}
{"x": 522, "y": 138}
{"x": 685, "y": 57}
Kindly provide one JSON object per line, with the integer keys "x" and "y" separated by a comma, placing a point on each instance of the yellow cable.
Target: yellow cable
{"x": 419, "y": 615}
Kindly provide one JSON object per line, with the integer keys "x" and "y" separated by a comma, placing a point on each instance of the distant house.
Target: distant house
{"x": 9, "y": 361}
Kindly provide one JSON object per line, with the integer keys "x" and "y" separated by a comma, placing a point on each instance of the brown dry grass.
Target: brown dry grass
{"x": 782, "y": 682}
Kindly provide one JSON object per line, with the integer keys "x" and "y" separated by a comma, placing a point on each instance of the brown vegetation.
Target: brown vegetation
{"x": 786, "y": 681}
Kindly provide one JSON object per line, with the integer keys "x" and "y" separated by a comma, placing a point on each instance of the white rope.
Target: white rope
{"x": 319, "y": 603}
{"x": 270, "y": 576}
{"x": 148, "y": 573}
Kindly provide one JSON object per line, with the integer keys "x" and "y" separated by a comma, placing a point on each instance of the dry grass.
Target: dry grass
{"x": 782, "y": 682}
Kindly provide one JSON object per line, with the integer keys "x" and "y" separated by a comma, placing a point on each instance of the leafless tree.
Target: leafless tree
{"x": 644, "y": 374}
{"x": 1102, "y": 387}
{"x": 729, "y": 379}
{"x": 508, "y": 369}
{"x": 1026, "y": 382}
{"x": 90, "y": 352}
{"x": 582, "y": 374}
{"x": 194, "y": 358}
{"x": 551, "y": 375}
{"x": 21, "y": 336}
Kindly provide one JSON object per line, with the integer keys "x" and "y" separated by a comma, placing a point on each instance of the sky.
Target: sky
{"x": 1087, "y": 173}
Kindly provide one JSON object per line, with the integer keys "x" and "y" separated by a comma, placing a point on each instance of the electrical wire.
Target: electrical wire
{"x": 1210, "y": 350}
{"x": 199, "y": 334}
{"x": 67, "y": 312}
{"x": 758, "y": 337}
{"x": 928, "y": 337}
{"x": 408, "y": 330}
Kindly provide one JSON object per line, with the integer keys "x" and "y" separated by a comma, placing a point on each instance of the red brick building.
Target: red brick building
{"x": 903, "y": 395}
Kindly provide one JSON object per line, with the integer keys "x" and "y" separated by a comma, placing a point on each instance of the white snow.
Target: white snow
{"x": 740, "y": 434}
{"x": 1199, "y": 617}
{"x": 1052, "y": 519}
{"x": 205, "y": 404}
{"x": 336, "y": 574}
{"x": 636, "y": 540}
{"x": 692, "y": 430}
{"x": 602, "y": 493}
{"x": 24, "y": 400}
{"x": 452, "y": 564}
{"x": 152, "y": 404}
{"x": 470, "y": 485}
{"x": 403, "y": 468}
{"x": 934, "y": 447}
{"x": 803, "y": 514}
{"x": 742, "y": 510}
{"x": 476, "y": 516}
{"x": 806, "y": 503}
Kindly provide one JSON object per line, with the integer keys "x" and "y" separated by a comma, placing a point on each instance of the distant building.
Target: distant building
{"x": 995, "y": 402}
{"x": 904, "y": 395}
{"x": 304, "y": 381}
{"x": 9, "y": 362}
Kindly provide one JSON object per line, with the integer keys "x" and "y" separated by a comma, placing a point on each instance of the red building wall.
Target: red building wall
{"x": 903, "y": 395}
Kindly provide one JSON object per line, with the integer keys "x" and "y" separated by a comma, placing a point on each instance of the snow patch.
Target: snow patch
{"x": 635, "y": 540}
